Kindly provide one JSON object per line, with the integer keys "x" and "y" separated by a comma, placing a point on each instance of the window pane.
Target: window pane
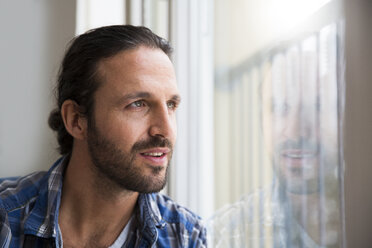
{"x": 277, "y": 117}
{"x": 156, "y": 16}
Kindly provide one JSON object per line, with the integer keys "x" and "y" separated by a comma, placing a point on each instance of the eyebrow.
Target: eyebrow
{"x": 143, "y": 94}
{"x": 135, "y": 95}
{"x": 176, "y": 98}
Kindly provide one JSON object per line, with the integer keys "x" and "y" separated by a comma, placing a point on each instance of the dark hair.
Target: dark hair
{"x": 77, "y": 77}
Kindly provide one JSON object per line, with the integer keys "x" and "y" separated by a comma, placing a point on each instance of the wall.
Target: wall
{"x": 358, "y": 123}
{"x": 34, "y": 34}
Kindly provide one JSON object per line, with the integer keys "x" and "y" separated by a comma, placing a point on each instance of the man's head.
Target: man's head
{"x": 300, "y": 122}
{"x": 117, "y": 97}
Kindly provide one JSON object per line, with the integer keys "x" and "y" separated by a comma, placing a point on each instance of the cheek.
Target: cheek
{"x": 279, "y": 128}
{"x": 125, "y": 133}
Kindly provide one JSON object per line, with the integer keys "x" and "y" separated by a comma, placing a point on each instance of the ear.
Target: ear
{"x": 75, "y": 122}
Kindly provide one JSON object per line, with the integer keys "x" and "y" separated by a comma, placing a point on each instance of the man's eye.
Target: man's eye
{"x": 172, "y": 105}
{"x": 137, "y": 104}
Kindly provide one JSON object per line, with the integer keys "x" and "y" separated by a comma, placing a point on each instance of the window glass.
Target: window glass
{"x": 156, "y": 16}
{"x": 278, "y": 170}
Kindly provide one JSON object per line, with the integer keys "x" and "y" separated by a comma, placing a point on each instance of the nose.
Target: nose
{"x": 163, "y": 123}
{"x": 301, "y": 123}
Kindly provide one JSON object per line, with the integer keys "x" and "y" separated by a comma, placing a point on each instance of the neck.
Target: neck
{"x": 91, "y": 208}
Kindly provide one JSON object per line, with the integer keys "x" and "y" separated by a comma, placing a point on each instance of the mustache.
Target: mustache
{"x": 152, "y": 142}
{"x": 300, "y": 143}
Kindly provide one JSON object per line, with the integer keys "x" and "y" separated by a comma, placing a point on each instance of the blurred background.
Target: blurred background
{"x": 276, "y": 98}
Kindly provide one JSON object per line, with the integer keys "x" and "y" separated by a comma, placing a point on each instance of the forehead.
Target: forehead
{"x": 284, "y": 82}
{"x": 142, "y": 68}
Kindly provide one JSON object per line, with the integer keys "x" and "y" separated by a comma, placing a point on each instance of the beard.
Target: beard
{"x": 307, "y": 175}
{"x": 120, "y": 169}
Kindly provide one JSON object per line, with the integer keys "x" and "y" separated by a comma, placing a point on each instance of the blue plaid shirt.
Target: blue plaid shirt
{"x": 29, "y": 215}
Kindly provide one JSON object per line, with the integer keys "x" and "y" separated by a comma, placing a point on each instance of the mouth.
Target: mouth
{"x": 298, "y": 154}
{"x": 156, "y": 157}
{"x": 299, "y": 162}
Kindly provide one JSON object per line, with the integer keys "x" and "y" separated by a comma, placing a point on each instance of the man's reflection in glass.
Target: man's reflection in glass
{"x": 301, "y": 136}
{"x": 300, "y": 130}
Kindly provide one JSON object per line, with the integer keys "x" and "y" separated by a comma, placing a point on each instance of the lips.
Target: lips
{"x": 156, "y": 156}
{"x": 299, "y": 162}
{"x": 298, "y": 154}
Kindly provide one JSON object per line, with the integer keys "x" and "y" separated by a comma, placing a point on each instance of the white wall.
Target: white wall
{"x": 33, "y": 37}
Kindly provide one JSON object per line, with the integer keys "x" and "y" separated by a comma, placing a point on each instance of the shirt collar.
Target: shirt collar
{"x": 149, "y": 218}
{"x": 154, "y": 211}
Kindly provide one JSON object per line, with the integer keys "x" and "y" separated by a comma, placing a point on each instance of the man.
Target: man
{"x": 300, "y": 130}
{"x": 116, "y": 124}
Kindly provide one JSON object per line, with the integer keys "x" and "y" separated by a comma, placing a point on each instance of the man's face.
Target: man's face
{"x": 133, "y": 128}
{"x": 300, "y": 126}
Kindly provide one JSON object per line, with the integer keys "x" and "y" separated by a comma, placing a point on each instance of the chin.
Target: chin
{"x": 301, "y": 187}
{"x": 151, "y": 183}
{"x": 154, "y": 188}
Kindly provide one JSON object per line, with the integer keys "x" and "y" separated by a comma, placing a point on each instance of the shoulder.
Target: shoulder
{"x": 238, "y": 222}
{"x": 246, "y": 208}
{"x": 5, "y": 233}
{"x": 17, "y": 196}
{"x": 16, "y": 192}
{"x": 183, "y": 220}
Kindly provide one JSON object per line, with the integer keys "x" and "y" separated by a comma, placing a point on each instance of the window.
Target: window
{"x": 278, "y": 112}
